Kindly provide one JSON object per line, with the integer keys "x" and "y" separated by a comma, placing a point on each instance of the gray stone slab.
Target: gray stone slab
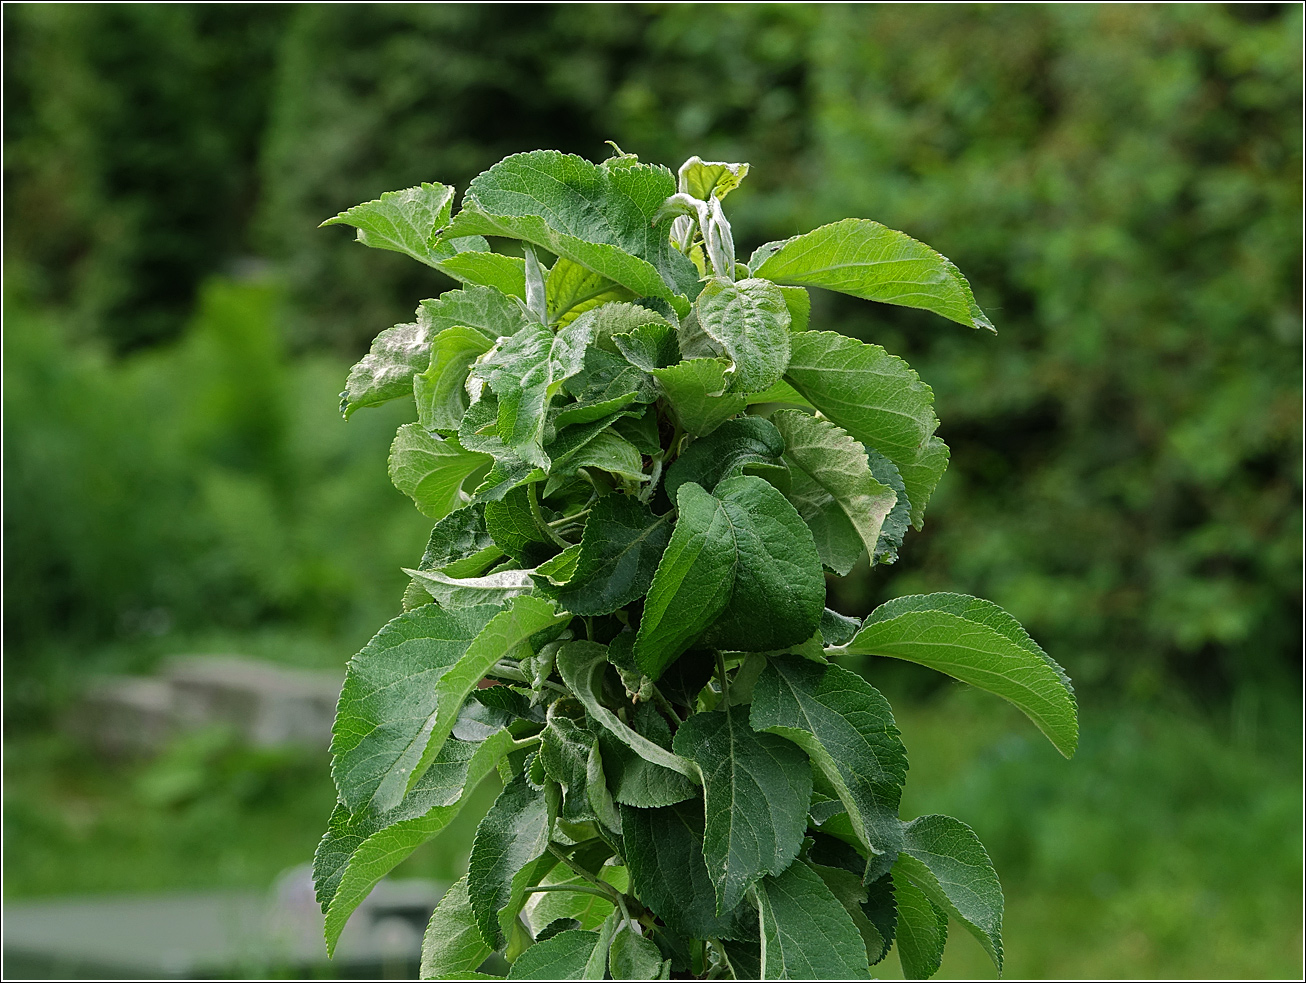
{"x": 123, "y": 716}
{"x": 241, "y": 934}
{"x": 268, "y": 704}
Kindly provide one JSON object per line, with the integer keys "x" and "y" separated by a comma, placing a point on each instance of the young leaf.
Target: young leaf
{"x": 832, "y": 488}
{"x": 525, "y": 372}
{"x": 489, "y": 311}
{"x": 633, "y": 956}
{"x": 572, "y": 289}
{"x": 404, "y": 222}
{"x": 945, "y": 860}
{"x": 749, "y": 322}
{"x": 922, "y": 931}
{"x": 582, "y": 665}
{"x": 462, "y": 592}
{"x": 619, "y": 551}
{"x": 898, "y": 521}
{"x": 664, "y": 850}
{"x": 878, "y": 399}
{"x": 649, "y": 346}
{"x": 480, "y": 267}
{"x": 403, "y": 692}
{"x": 695, "y": 389}
{"x": 977, "y": 642}
{"x": 865, "y": 259}
{"x": 386, "y": 372}
{"x": 360, "y": 849}
{"x": 704, "y": 178}
{"x": 740, "y": 563}
{"x": 452, "y": 947}
{"x": 597, "y": 217}
{"x": 725, "y": 452}
{"x": 512, "y": 836}
{"x": 806, "y": 933}
{"x": 565, "y": 753}
{"x": 847, "y": 729}
{"x": 441, "y": 390}
{"x": 756, "y": 789}
{"x": 431, "y": 470}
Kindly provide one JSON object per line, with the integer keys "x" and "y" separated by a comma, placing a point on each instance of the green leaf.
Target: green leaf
{"x": 525, "y": 372}
{"x": 460, "y": 546}
{"x": 806, "y": 933}
{"x": 462, "y": 592}
{"x": 832, "y": 487}
{"x": 386, "y": 372}
{"x": 945, "y": 860}
{"x": 452, "y": 947}
{"x": 441, "y": 390}
{"x": 404, "y": 222}
{"x": 619, "y": 552}
{"x": 781, "y": 392}
{"x": 634, "y": 957}
{"x": 756, "y": 789}
{"x": 480, "y": 267}
{"x": 898, "y": 521}
{"x": 865, "y": 259}
{"x": 582, "y": 665}
{"x": 431, "y": 470}
{"x": 597, "y": 217}
{"x": 748, "y": 319}
{"x": 664, "y": 850}
{"x": 847, "y": 887}
{"x": 878, "y": 399}
{"x": 360, "y": 849}
{"x": 979, "y": 643}
{"x": 740, "y": 564}
{"x": 491, "y": 312}
{"x": 572, "y": 289}
{"x": 607, "y": 451}
{"x": 799, "y": 302}
{"x": 515, "y": 530}
{"x": 510, "y": 839}
{"x": 922, "y": 931}
{"x": 838, "y": 629}
{"x": 847, "y": 728}
{"x": 695, "y": 389}
{"x": 403, "y": 692}
{"x": 725, "y": 452}
{"x": 389, "y": 698}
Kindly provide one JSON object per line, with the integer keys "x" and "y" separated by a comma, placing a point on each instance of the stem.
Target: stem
{"x": 581, "y": 888}
{"x": 725, "y": 681}
{"x": 601, "y": 888}
{"x": 544, "y": 527}
{"x": 569, "y": 518}
{"x": 649, "y": 489}
{"x": 665, "y": 704}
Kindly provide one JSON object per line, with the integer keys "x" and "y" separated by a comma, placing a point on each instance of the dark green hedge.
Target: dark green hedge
{"x": 1122, "y": 184}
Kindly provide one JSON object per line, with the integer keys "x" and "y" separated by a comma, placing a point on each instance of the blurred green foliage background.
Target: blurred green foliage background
{"x": 1121, "y": 183}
